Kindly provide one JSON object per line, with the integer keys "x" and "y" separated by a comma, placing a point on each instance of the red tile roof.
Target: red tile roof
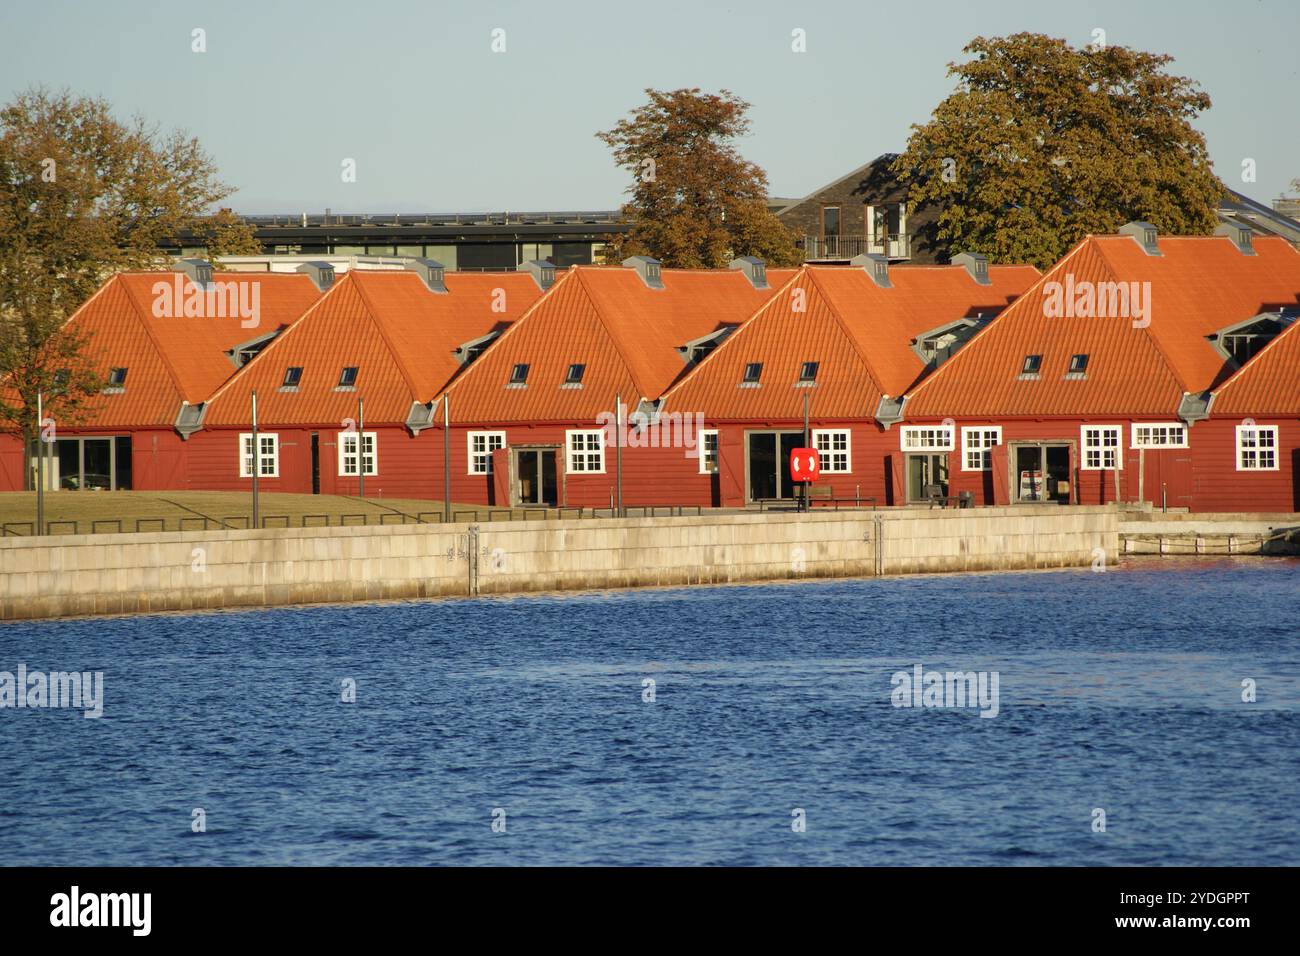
{"x": 1198, "y": 285}
{"x": 173, "y": 358}
{"x": 398, "y": 334}
{"x": 625, "y": 333}
{"x": 859, "y": 334}
{"x": 1268, "y": 384}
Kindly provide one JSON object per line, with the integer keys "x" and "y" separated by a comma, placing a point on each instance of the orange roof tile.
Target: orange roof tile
{"x": 859, "y": 334}
{"x": 399, "y": 335}
{"x": 625, "y": 333}
{"x": 170, "y": 357}
{"x": 1268, "y": 384}
{"x": 1198, "y": 285}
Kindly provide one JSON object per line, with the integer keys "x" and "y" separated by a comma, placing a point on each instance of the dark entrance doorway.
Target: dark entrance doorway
{"x": 1040, "y": 473}
{"x": 926, "y": 471}
{"x": 315, "y": 463}
{"x": 535, "y": 477}
{"x": 767, "y": 457}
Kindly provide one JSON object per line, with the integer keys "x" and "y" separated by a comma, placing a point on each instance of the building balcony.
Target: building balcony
{"x": 844, "y": 248}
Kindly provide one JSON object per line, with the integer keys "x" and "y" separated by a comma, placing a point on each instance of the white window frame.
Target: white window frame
{"x": 370, "y": 451}
{"x": 1100, "y": 446}
{"x": 1135, "y": 443}
{"x": 926, "y": 437}
{"x": 572, "y": 453}
{"x": 705, "y": 454}
{"x": 479, "y": 461}
{"x": 1254, "y": 449}
{"x": 982, "y": 447}
{"x": 272, "y": 456}
{"x": 830, "y": 453}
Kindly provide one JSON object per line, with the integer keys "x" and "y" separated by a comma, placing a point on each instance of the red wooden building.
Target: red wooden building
{"x": 844, "y": 343}
{"x": 163, "y": 341}
{"x": 533, "y": 420}
{"x": 1095, "y": 384}
{"x": 367, "y": 360}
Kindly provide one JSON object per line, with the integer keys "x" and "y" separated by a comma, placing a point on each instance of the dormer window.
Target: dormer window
{"x": 292, "y": 376}
{"x": 348, "y": 377}
{"x": 117, "y": 378}
{"x": 652, "y": 271}
{"x": 519, "y": 375}
{"x": 753, "y": 372}
{"x": 1239, "y": 343}
{"x": 808, "y": 373}
{"x": 575, "y": 373}
{"x": 1031, "y": 366}
{"x": 1078, "y": 366}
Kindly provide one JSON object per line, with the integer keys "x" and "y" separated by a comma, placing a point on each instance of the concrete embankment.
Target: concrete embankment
{"x": 185, "y": 570}
{"x": 1154, "y": 532}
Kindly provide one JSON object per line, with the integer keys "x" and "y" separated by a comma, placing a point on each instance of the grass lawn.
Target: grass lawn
{"x": 101, "y": 511}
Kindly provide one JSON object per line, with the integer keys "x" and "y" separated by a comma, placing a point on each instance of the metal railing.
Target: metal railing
{"x": 828, "y": 248}
{"x": 436, "y": 219}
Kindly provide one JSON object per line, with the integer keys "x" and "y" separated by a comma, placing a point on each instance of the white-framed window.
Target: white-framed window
{"x": 1101, "y": 445}
{"x": 926, "y": 437}
{"x": 977, "y": 447}
{"x": 268, "y": 455}
{"x": 348, "y": 453}
{"x": 708, "y": 451}
{"x": 1257, "y": 448}
{"x": 585, "y": 452}
{"x": 481, "y": 447}
{"x": 1159, "y": 435}
{"x": 835, "y": 448}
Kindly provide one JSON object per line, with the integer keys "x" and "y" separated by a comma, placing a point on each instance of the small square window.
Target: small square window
{"x": 753, "y": 372}
{"x": 809, "y": 372}
{"x": 575, "y": 375}
{"x": 292, "y": 376}
{"x": 1032, "y": 364}
{"x": 117, "y": 377}
{"x": 348, "y": 377}
{"x": 519, "y": 374}
{"x": 1078, "y": 364}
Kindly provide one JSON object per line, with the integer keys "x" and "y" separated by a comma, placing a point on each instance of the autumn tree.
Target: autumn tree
{"x": 82, "y": 195}
{"x": 1042, "y": 143}
{"x": 226, "y": 234}
{"x": 695, "y": 201}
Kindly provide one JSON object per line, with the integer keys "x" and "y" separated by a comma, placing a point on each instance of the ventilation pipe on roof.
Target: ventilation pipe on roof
{"x": 321, "y": 273}
{"x": 648, "y": 269}
{"x": 877, "y": 267}
{"x": 974, "y": 263}
{"x": 431, "y": 272}
{"x": 1144, "y": 234}
{"x": 199, "y": 270}
{"x": 1240, "y": 235}
{"x": 754, "y": 269}
{"x": 542, "y": 271}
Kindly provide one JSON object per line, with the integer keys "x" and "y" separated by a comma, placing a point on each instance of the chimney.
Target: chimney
{"x": 542, "y": 271}
{"x": 199, "y": 270}
{"x": 876, "y": 265}
{"x": 1241, "y": 237}
{"x": 648, "y": 269}
{"x": 321, "y": 273}
{"x": 431, "y": 272}
{"x": 1144, "y": 234}
{"x": 974, "y": 263}
{"x": 753, "y": 268}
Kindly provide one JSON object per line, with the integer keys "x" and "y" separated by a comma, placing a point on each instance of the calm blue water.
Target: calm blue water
{"x": 1119, "y": 691}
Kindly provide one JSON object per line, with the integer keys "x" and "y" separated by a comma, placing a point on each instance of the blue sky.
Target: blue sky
{"x": 438, "y": 122}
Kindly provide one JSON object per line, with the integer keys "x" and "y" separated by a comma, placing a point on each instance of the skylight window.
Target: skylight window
{"x": 348, "y": 377}
{"x": 117, "y": 377}
{"x": 753, "y": 372}
{"x": 519, "y": 374}
{"x": 1032, "y": 364}
{"x": 1079, "y": 365}
{"x": 292, "y": 376}
{"x": 809, "y": 372}
{"x": 575, "y": 374}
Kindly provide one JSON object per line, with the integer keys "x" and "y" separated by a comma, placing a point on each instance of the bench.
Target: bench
{"x": 937, "y": 499}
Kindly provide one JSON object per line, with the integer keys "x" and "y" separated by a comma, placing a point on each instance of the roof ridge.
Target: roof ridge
{"x": 853, "y": 339}
{"x": 615, "y": 341}
{"x": 398, "y": 359}
{"x": 143, "y": 319}
{"x": 740, "y": 330}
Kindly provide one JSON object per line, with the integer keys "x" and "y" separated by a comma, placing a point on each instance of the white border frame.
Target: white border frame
{"x": 1133, "y": 442}
{"x": 905, "y": 430}
{"x": 848, "y": 449}
{"x": 1118, "y": 446}
{"x": 569, "y": 450}
{"x": 1277, "y": 446}
{"x": 275, "y": 455}
{"x": 965, "y": 430}
{"x": 470, "y": 452}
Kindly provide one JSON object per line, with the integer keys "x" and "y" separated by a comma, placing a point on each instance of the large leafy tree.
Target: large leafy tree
{"x": 1042, "y": 143}
{"x": 82, "y": 195}
{"x": 695, "y": 201}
